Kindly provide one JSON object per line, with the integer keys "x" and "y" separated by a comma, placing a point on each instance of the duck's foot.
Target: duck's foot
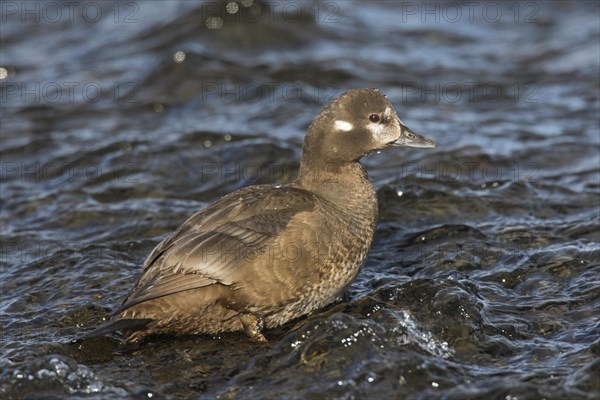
{"x": 253, "y": 326}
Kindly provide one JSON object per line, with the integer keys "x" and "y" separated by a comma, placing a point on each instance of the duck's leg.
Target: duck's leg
{"x": 253, "y": 326}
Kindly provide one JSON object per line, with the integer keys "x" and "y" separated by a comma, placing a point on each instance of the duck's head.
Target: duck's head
{"x": 357, "y": 123}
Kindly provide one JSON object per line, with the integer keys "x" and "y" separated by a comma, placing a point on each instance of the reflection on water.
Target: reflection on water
{"x": 120, "y": 119}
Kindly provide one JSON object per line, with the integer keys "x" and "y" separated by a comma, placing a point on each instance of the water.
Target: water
{"x": 119, "y": 120}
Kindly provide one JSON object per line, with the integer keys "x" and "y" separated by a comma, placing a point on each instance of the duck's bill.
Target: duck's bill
{"x": 408, "y": 138}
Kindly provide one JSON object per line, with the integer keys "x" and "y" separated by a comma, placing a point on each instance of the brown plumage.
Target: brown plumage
{"x": 264, "y": 255}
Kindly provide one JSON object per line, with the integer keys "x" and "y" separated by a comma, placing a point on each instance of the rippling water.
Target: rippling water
{"x": 119, "y": 120}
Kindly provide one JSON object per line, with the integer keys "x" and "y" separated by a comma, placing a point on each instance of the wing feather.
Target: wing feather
{"x": 208, "y": 247}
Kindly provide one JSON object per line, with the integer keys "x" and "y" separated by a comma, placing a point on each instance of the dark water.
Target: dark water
{"x": 119, "y": 120}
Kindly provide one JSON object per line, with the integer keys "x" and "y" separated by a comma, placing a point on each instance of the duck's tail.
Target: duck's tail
{"x": 126, "y": 325}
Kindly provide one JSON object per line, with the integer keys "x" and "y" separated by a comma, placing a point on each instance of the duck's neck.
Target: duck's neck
{"x": 346, "y": 185}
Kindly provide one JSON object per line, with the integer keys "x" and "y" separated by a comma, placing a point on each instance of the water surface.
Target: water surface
{"x": 119, "y": 120}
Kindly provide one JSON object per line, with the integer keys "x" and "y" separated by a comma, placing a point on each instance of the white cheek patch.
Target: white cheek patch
{"x": 343, "y": 126}
{"x": 387, "y": 114}
{"x": 376, "y": 129}
{"x": 381, "y": 131}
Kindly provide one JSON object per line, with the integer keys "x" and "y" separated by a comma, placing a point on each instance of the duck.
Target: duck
{"x": 264, "y": 255}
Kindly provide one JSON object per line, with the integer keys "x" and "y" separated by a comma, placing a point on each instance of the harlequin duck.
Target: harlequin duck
{"x": 266, "y": 254}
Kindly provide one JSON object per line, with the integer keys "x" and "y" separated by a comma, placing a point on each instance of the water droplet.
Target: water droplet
{"x": 158, "y": 108}
{"x": 232, "y": 7}
{"x": 399, "y": 193}
{"x": 435, "y": 384}
{"x": 3, "y": 73}
{"x": 179, "y": 56}
{"x": 214, "y": 22}
{"x": 227, "y": 138}
{"x": 207, "y": 143}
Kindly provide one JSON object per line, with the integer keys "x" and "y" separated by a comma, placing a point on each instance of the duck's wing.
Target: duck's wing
{"x": 209, "y": 247}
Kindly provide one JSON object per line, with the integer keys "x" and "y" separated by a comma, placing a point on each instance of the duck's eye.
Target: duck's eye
{"x": 374, "y": 118}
